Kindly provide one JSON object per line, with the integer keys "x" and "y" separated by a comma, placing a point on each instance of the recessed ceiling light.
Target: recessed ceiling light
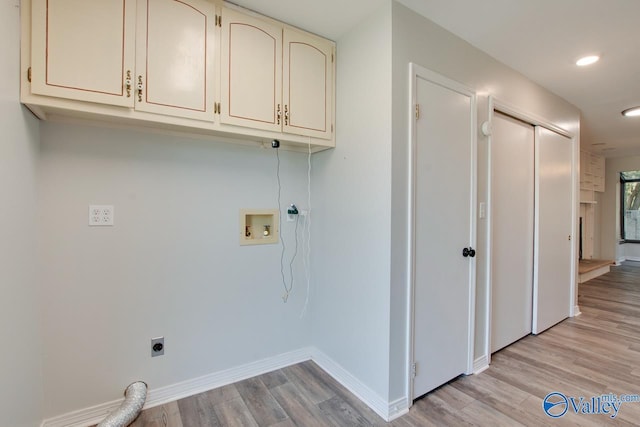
{"x": 587, "y": 60}
{"x": 632, "y": 112}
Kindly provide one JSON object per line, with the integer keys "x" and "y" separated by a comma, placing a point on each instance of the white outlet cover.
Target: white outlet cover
{"x": 101, "y": 215}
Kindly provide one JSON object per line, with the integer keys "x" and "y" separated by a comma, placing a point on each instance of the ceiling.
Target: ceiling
{"x": 542, "y": 39}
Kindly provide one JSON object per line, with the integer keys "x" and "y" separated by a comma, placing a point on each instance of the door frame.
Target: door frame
{"x": 495, "y": 104}
{"x": 416, "y": 71}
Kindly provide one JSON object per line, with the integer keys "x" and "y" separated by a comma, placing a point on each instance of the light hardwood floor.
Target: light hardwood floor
{"x": 595, "y": 353}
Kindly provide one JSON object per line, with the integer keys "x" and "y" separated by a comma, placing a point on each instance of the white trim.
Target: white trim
{"x": 410, "y": 235}
{"x": 526, "y": 117}
{"x": 489, "y": 244}
{"x": 576, "y": 310}
{"x": 536, "y": 231}
{"x": 386, "y": 410}
{"x": 632, "y": 258}
{"x": 95, "y": 414}
{"x": 414, "y": 71}
{"x": 481, "y": 364}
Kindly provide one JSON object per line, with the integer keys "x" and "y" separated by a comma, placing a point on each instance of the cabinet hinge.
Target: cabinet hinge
{"x": 414, "y": 370}
{"x": 29, "y": 74}
{"x": 417, "y": 111}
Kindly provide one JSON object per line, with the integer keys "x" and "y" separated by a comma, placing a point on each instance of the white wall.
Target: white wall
{"x": 351, "y": 205}
{"x": 20, "y": 366}
{"x": 416, "y": 39}
{"x": 608, "y": 202}
{"x": 171, "y": 266}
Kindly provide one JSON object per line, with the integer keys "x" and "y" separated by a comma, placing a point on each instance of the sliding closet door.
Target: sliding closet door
{"x": 552, "y": 272}
{"x": 512, "y": 209}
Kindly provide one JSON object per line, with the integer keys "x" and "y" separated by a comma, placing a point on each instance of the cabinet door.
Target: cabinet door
{"x": 83, "y": 49}
{"x": 307, "y": 84}
{"x": 174, "y": 65}
{"x": 251, "y": 72}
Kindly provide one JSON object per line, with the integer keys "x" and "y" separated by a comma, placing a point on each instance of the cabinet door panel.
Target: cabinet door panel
{"x": 174, "y": 43}
{"x": 251, "y": 72}
{"x": 308, "y": 84}
{"x": 83, "y": 49}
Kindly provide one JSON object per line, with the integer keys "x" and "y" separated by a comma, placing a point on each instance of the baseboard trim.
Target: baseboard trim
{"x": 576, "y": 311}
{"x": 387, "y": 410}
{"x": 632, "y": 258}
{"x": 155, "y": 397}
{"x": 480, "y": 364}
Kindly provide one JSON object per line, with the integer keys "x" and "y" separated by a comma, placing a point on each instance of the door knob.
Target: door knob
{"x": 469, "y": 252}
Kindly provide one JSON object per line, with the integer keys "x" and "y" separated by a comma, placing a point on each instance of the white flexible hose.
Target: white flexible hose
{"x": 134, "y": 398}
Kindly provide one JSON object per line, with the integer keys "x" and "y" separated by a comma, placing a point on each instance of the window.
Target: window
{"x": 630, "y": 206}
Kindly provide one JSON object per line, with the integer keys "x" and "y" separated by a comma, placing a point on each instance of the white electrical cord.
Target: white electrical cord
{"x": 287, "y": 289}
{"x": 307, "y": 256}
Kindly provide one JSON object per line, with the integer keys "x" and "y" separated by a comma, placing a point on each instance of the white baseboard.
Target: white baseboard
{"x": 480, "y": 364}
{"x": 632, "y": 258}
{"x": 576, "y": 311}
{"x": 620, "y": 261}
{"x": 155, "y": 397}
{"x": 387, "y": 410}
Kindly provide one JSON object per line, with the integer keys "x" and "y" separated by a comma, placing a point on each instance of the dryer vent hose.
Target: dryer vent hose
{"x": 134, "y": 398}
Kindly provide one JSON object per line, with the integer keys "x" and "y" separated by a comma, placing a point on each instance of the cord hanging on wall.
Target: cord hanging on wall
{"x": 287, "y": 287}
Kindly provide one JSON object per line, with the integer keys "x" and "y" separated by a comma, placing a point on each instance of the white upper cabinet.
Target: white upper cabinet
{"x": 251, "y": 72}
{"x": 193, "y": 66}
{"x": 275, "y": 78}
{"x": 83, "y": 49}
{"x": 174, "y": 72}
{"x": 307, "y": 84}
{"x": 157, "y": 58}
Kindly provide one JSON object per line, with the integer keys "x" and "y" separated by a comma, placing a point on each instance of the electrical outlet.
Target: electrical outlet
{"x": 157, "y": 346}
{"x": 100, "y": 215}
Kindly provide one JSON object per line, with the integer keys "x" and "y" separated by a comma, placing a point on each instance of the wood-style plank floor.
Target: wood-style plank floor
{"x": 595, "y": 353}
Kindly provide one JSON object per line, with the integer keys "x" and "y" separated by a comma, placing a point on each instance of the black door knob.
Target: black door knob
{"x": 469, "y": 252}
{"x": 465, "y": 252}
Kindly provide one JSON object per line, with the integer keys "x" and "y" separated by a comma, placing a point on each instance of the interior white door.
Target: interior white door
{"x": 512, "y": 215}
{"x": 444, "y": 200}
{"x": 554, "y": 190}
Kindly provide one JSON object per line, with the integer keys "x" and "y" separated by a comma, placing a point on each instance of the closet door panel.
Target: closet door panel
{"x": 512, "y": 211}
{"x": 553, "y": 260}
